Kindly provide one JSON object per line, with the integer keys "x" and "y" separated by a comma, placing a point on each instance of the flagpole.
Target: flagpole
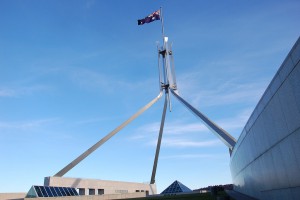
{"x": 162, "y": 23}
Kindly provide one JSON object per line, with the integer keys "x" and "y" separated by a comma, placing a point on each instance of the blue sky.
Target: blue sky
{"x": 71, "y": 71}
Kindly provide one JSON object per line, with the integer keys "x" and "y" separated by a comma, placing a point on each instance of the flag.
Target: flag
{"x": 150, "y": 18}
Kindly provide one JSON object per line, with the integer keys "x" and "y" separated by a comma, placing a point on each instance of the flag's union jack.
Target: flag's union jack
{"x": 150, "y": 18}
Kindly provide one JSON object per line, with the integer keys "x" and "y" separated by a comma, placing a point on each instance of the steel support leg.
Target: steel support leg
{"x": 226, "y": 138}
{"x": 159, "y": 141}
{"x": 107, "y": 137}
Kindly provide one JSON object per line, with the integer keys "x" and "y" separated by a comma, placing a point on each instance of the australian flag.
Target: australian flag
{"x": 150, "y": 18}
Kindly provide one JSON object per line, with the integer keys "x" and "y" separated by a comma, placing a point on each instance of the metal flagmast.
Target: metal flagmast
{"x": 162, "y": 22}
{"x": 167, "y": 82}
{"x": 170, "y": 86}
{"x": 168, "y": 78}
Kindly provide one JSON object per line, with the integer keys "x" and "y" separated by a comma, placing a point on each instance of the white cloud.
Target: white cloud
{"x": 175, "y": 128}
{"x": 229, "y": 92}
{"x": 90, "y": 3}
{"x": 5, "y": 92}
{"x": 93, "y": 120}
{"x": 27, "y": 125}
{"x": 178, "y": 134}
{"x": 90, "y": 79}
{"x": 22, "y": 90}
{"x": 192, "y": 156}
{"x": 181, "y": 127}
{"x": 182, "y": 143}
{"x": 237, "y": 122}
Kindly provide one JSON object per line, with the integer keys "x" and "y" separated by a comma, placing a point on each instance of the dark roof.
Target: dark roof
{"x": 50, "y": 191}
{"x": 176, "y": 187}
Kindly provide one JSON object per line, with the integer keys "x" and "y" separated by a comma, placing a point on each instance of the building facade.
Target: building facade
{"x": 100, "y": 187}
{"x": 265, "y": 162}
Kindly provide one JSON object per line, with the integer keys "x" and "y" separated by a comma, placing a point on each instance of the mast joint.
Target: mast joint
{"x": 162, "y": 52}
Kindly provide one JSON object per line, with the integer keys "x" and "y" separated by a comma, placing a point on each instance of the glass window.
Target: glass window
{"x": 58, "y": 191}
{"x": 91, "y": 191}
{"x": 38, "y": 191}
{"x": 74, "y": 191}
{"x": 53, "y": 191}
{"x": 67, "y": 192}
{"x": 43, "y": 191}
{"x": 70, "y": 191}
{"x": 81, "y": 191}
{"x": 100, "y": 191}
{"x": 62, "y": 191}
{"x": 48, "y": 191}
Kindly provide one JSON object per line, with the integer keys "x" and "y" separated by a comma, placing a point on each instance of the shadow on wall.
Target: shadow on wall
{"x": 76, "y": 183}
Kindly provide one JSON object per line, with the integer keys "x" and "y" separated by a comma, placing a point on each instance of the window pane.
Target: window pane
{"x": 70, "y": 191}
{"x": 43, "y": 191}
{"x": 38, "y": 191}
{"x": 58, "y": 191}
{"x": 62, "y": 191}
{"x": 66, "y": 191}
{"x": 48, "y": 191}
{"x": 53, "y": 191}
{"x": 74, "y": 191}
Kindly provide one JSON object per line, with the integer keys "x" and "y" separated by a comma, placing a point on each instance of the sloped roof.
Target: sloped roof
{"x": 176, "y": 187}
{"x": 50, "y": 191}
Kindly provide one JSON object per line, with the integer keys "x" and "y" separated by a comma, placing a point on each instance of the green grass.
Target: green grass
{"x": 193, "y": 196}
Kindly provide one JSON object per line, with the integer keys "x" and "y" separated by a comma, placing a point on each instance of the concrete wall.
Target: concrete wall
{"x": 265, "y": 162}
{"x": 108, "y": 187}
{"x": 15, "y": 196}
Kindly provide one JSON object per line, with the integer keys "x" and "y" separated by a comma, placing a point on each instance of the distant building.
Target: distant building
{"x": 100, "y": 187}
{"x": 175, "y": 188}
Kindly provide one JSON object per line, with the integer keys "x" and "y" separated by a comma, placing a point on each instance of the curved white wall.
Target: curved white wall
{"x": 265, "y": 162}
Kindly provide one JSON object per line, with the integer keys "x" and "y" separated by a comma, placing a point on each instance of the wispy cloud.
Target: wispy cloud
{"x": 90, "y": 3}
{"x": 29, "y": 125}
{"x": 181, "y": 127}
{"x": 6, "y": 92}
{"x": 22, "y": 90}
{"x": 192, "y": 156}
{"x": 91, "y": 80}
{"x": 90, "y": 121}
{"x": 181, "y": 143}
{"x": 180, "y": 134}
{"x": 237, "y": 122}
{"x": 229, "y": 94}
{"x": 225, "y": 93}
{"x": 175, "y": 128}
{"x": 176, "y": 135}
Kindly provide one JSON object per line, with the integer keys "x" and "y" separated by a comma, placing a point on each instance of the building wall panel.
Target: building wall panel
{"x": 290, "y": 161}
{"x": 265, "y": 163}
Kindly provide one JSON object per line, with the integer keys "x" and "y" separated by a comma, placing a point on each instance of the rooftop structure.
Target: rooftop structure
{"x": 176, "y": 187}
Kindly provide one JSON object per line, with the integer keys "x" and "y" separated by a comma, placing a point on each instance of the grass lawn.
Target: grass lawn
{"x": 193, "y": 196}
